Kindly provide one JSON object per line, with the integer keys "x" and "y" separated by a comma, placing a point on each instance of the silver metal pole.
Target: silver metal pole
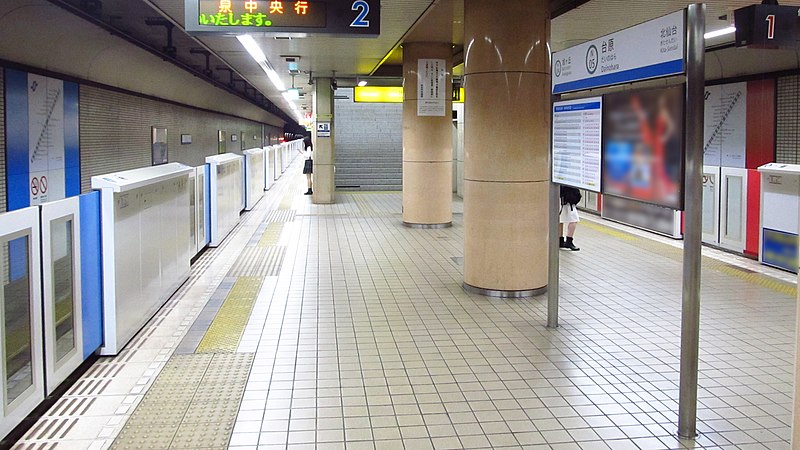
{"x": 693, "y": 220}
{"x": 553, "y": 249}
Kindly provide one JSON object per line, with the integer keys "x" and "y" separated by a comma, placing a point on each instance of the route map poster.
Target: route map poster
{"x": 43, "y": 162}
{"x": 725, "y": 125}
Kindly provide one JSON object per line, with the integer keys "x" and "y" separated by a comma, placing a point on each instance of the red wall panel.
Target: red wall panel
{"x": 760, "y": 122}
{"x": 753, "y": 212}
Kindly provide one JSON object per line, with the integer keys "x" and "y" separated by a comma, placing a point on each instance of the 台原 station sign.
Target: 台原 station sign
{"x": 332, "y": 17}
{"x": 652, "y": 49}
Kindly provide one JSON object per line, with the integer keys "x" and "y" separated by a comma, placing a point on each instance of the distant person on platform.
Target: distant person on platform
{"x": 308, "y": 166}
{"x": 570, "y": 197}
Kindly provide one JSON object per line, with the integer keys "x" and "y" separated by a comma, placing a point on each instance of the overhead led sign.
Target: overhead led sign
{"x": 348, "y": 17}
{"x": 378, "y": 94}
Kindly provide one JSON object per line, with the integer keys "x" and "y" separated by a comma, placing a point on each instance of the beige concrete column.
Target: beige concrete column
{"x": 507, "y": 132}
{"x": 427, "y": 143}
{"x": 323, "y": 154}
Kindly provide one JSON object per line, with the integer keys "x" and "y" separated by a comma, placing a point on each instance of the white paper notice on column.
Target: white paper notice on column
{"x": 725, "y": 125}
{"x": 432, "y": 76}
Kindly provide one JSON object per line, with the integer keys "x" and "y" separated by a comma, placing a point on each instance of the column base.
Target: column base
{"x": 428, "y": 226}
{"x": 504, "y": 294}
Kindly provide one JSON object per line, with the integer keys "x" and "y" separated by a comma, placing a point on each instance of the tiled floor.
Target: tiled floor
{"x": 365, "y": 339}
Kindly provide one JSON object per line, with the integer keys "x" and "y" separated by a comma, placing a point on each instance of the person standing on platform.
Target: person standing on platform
{"x": 568, "y": 217}
{"x": 308, "y": 166}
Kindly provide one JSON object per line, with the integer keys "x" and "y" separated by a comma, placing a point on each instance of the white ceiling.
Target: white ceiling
{"x": 320, "y": 55}
{"x": 351, "y": 57}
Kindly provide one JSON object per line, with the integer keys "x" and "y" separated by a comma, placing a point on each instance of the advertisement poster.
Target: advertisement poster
{"x": 577, "y": 131}
{"x": 431, "y": 95}
{"x": 159, "y": 149}
{"x": 43, "y": 162}
{"x": 643, "y": 142}
{"x": 725, "y": 131}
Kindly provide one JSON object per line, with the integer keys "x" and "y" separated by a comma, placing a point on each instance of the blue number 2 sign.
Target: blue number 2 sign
{"x": 361, "y": 20}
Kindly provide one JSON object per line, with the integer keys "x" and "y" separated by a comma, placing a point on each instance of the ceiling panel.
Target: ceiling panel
{"x": 320, "y": 55}
{"x": 401, "y": 19}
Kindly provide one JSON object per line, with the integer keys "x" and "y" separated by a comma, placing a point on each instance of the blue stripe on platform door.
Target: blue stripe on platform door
{"x": 17, "y": 164}
{"x": 72, "y": 154}
{"x": 91, "y": 273}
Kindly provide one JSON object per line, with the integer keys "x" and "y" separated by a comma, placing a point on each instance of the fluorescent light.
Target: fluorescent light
{"x": 287, "y": 96}
{"x": 255, "y": 51}
{"x": 362, "y": 83}
{"x": 273, "y": 76}
{"x": 252, "y": 47}
{"x": 718, "y": 33}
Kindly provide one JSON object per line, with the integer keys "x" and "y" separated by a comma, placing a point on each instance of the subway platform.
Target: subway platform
{"x": 335, "y": 327}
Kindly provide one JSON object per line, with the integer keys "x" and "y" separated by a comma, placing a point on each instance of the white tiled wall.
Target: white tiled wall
{"x": 787, "y": 140}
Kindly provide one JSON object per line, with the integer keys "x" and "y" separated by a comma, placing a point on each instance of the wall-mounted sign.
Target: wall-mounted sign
{"x": 42, "y": 154}
{"x": 577, "y": 139}
{"x": 222, "y": 141}
{"x": 186, "y": 139}
{"x": 725, "y": 125}
{"x": 766, "y": 26}
{"x": 159, "y": 149}
{"x": 431, "y": 87}
{"x": 323, "y": 129}
{"x": 378, "y": 94}
{"x": 350, "y": 17}
{"x": 650, "y": 50}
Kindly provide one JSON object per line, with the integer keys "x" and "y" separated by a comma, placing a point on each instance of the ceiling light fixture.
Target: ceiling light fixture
{"x": 362, "y": 83}
{"x": 718, "y": 33}
{"x": 252, "y": 47}
{"x": 258, "y": 55}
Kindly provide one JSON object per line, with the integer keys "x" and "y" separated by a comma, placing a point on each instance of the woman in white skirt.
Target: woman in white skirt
{"x": 568, "y": 215}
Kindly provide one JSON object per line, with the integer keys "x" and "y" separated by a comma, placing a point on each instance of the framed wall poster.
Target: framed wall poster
{"x": 221, "y": 142}
{"x": 186, "y": 139}
{"x": 160, "y": 155}
{"x": 234, "y": 137}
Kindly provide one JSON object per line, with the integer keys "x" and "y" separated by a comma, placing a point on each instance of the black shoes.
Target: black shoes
{"x": 568, "y": 244}
{"x": 308, "y": 192}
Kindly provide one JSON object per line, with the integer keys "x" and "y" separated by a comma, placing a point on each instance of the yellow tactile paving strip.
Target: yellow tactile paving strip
{"x": 272, "y": 235}
{"x": 226, "y": 330}
{"x": 709, "y": 263}
{"x": 287, "y": 201}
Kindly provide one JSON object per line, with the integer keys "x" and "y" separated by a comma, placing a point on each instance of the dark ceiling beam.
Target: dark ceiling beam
{"x": 559, "y": 7}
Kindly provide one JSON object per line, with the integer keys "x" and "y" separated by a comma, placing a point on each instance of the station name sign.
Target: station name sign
{"x": 649, "y": 50}
{"x": 332, "y": 17}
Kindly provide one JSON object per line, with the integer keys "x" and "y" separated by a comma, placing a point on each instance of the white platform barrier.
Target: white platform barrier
{"x": 146, "y": 245}
{"x": 254, "y": 185}
{"x": 23, "y": 347}
{"x": 226, "y": 194}
{"x": 197, "y": 209}
{"x": 268, "y": 175}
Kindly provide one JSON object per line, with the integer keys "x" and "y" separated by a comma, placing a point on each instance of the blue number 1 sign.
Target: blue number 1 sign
{"x": 361, "y": 20}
